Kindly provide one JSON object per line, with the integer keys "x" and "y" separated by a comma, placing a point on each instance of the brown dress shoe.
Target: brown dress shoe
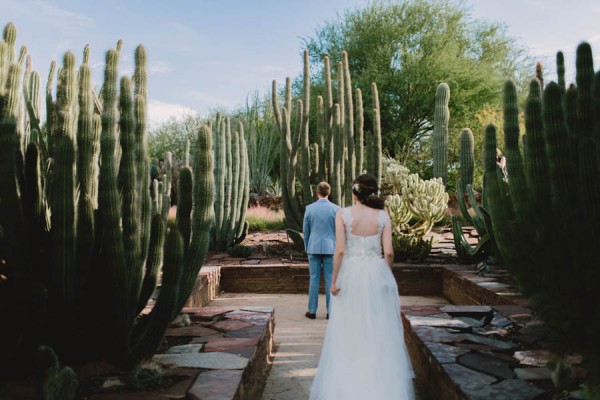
{"x": 310, "y": 315}
{"x": 327, "y": 315}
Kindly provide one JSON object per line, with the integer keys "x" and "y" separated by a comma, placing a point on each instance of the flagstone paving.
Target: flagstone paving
{"x": 297, "y": 338}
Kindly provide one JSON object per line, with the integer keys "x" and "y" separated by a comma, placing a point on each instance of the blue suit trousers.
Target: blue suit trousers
{"x": 316, "y": 264}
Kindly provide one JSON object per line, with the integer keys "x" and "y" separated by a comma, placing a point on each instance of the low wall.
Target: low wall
{"x": 207, "y": 288}
{"x": 422, "y": 281}
{"x": 458, "y": 289}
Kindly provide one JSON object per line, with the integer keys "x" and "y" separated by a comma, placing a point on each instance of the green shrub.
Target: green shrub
{"x": 240, "y": 251}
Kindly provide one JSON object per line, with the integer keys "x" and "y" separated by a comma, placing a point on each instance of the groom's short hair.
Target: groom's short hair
{"x": 323, "y": 189}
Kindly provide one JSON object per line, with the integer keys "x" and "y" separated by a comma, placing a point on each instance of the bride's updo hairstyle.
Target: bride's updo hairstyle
{"x": 367, "y": 191}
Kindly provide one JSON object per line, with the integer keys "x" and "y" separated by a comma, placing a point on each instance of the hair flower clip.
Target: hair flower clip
{"x": 356, "y": 187}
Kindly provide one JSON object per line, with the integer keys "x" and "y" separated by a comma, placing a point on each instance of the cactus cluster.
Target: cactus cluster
{"x": 232, "y": 179}
{"x": 339, "y": 153}
{"x": 82, "y": 241}
{"x": 412, "y": 199}
{"x": 547, "y": 223}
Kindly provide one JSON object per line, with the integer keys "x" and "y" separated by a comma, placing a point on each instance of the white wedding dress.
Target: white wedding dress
{"x": 364, "y": 355}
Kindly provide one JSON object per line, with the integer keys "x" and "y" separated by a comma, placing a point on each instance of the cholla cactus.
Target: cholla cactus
{"x": 399, "y": 212}
{"x": 412, "y": 199}
{"x": 394, "y": 176}
{"x": 427, "y": 200}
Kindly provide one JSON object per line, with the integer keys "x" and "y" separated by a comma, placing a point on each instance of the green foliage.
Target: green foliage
{"x": 553, "y": 186}
{"x": 240, "y": 251}
{"x": 146, "y": 377}
{"x": 172, "y": 135}
{"x": 409, "y": 248}
{"x": 408, "y": 48}
{"x": 54, "y": 382}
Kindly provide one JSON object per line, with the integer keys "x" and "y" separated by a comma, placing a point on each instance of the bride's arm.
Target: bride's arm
{"x": 388, "y": 250}
{"x": 338, "y": 255}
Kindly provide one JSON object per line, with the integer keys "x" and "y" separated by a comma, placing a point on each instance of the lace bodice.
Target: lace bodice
{"x": 363, "y": 246}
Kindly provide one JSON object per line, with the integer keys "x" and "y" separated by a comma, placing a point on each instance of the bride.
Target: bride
{"x": 364, "y": 355}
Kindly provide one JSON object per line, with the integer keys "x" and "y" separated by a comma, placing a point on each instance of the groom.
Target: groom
{"x": 319, "y": 243}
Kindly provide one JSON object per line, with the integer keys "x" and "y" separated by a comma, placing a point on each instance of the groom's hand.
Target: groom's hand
{"x": 334, "y": 290}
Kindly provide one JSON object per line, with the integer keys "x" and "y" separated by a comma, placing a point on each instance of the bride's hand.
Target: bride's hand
{"x": 334, "y": 290}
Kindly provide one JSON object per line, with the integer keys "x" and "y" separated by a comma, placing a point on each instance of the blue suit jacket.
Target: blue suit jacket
{"x": 319, "y": 227}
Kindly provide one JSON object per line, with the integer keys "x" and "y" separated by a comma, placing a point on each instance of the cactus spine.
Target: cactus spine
{"x": 441, "y": 116}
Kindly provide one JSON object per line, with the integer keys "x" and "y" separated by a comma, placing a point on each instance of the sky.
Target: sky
{"x": 210, "y": 54}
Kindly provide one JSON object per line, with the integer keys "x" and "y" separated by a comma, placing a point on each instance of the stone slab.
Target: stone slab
{"x": 444, "y": 353}
{"x": 244, "y": 351}
{"x": 223, "y": 344}
{"x": 237, "y": 314}
{"x": 250, "y": 332}
{"x": 437, "y": 322}
{"x": 534, "y": 358}
{"x": 186, "y": 348}
{"x": 498, "y": 344}
{"x": 510, "y": 310}
{"x": 215, "y": 385}
{"x": 430, "y": 334}
{"x": 230, "y": 325}
{"x": 500, "y": 321}
{"x": 204, "y": 339}
{"x": 190, "y": 331}
{"x": 257, "y": 319}
{"x": 216, "y": 360}
{"x": 487, "y": 364}
{"x": 533, "y": 374}
{"x": 466, "y": 377}
{"x": 474, "y": 323}
{"x": 260, "y": 309}
{"x": 510, "y": 389}
{"x": 182, "y": 378}
{"x": 475, "y": 312}
{"x": 211, "y": 312}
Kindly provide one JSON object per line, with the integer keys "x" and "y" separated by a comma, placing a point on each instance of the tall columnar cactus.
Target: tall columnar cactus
{"x": 480, "y": 220}
{"x": 232, "y": 177}
{"x": 441, "y": 117}
{"x": 467, "y": 150}
{"x": 84, "y": 274}
{"x": 538, "y": 222}
{"x": 340, "y": 138}
{"x": 485, "y": 248}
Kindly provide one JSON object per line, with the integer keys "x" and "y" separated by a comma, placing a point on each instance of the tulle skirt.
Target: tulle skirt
{"x": 364, "y": 355}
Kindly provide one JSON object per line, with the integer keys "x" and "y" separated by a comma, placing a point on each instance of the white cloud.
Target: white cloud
{"x": 159, "y": 67}
{"x": 159, "y": 111}
{"x": 61, "y": 16}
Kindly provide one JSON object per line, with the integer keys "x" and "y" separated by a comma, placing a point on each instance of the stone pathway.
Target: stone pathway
{"x": 298, "y": 339}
